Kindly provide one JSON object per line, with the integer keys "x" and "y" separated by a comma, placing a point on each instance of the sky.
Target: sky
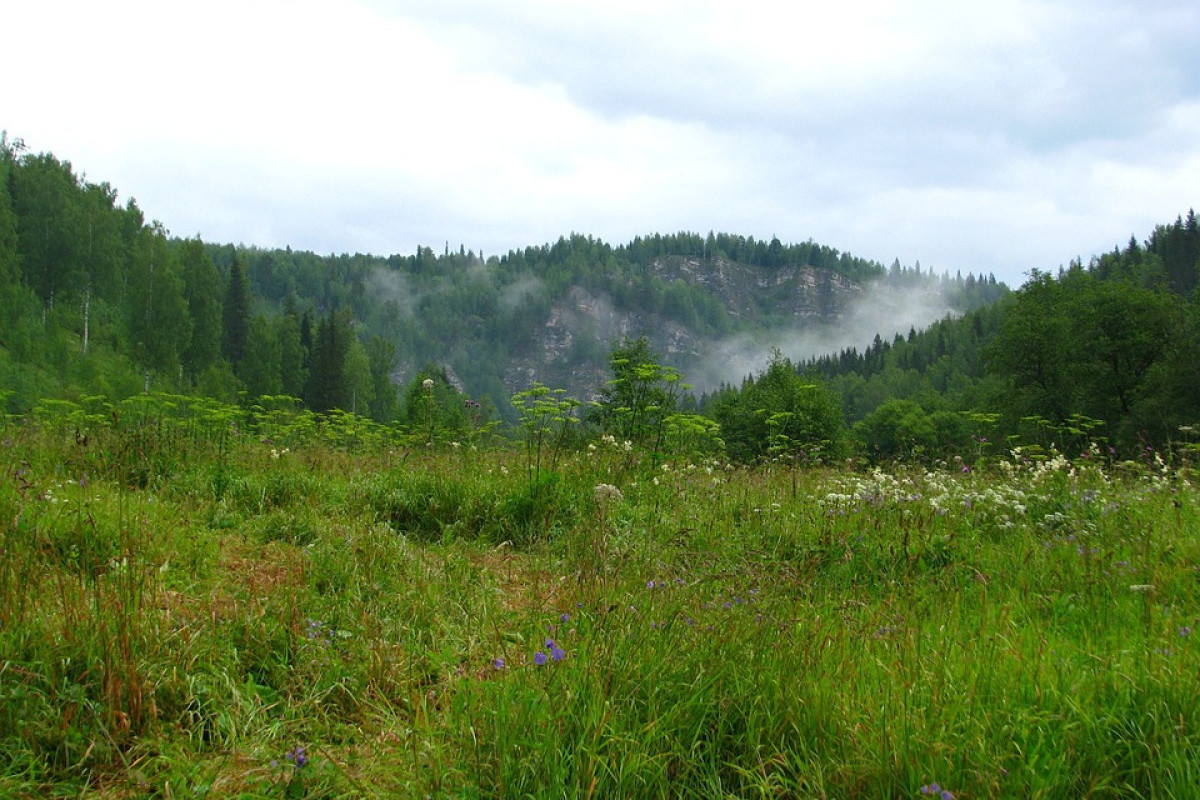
{"x": 986, "y": 137}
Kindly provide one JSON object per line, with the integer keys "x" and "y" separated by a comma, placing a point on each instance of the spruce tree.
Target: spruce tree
{"x": 235, "y": 321}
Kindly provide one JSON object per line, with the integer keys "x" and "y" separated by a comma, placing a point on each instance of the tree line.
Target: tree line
{"x": 95, "y": 299}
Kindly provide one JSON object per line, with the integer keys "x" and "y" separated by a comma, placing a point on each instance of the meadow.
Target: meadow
{"x": 197, "y": 601}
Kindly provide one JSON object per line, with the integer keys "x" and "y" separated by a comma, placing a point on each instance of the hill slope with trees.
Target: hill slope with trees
{"x": 101, "y": 301}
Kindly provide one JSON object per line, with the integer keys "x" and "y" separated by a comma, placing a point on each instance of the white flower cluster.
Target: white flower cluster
{"x": 607, "y": 493}
{"x": 941, "y": 492}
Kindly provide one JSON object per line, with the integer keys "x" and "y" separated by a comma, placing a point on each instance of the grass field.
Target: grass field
{"x": 190, "y": 611}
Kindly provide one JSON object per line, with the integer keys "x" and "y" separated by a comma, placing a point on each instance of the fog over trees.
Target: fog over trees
{"x": 96, "y": 300}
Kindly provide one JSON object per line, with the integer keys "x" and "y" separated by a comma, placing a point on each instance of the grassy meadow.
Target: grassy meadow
{"x": 196, "y": 602}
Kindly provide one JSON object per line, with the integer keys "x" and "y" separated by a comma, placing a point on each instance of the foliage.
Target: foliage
{"x": 95, "y": 299}
{"x": 902, "y": 430}
{"x": 547, "y": 418}
{"x": 782, "y": 413}
{"x": 437, "y": 412}
{"x": 641, "y": 396}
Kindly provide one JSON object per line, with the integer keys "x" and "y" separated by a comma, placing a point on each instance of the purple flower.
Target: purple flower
{"x": 297, "y": 756}
{"x": 932, "y": 788}
{"x": 1185, "y": 631}
{"x": 565, "y": 617}
{"x": 557, "y": 653}
{"x": 498, "y": 663}
{"x": 539, "y": 658}
{"x": 550, "y": 644}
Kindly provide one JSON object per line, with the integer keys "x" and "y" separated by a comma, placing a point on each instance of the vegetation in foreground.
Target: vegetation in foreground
{"x": 189, "y": 607}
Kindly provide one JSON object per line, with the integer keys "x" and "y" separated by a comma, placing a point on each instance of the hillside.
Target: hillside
{"x": 98, "y": 300}
{"x": 552, "y": 313}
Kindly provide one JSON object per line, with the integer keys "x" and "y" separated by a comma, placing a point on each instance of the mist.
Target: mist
{"x": 882, "y": 308}
{"x": 390, "y": 285}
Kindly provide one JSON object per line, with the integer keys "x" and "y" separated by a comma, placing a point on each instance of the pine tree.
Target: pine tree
{"x": 202, "y": 290}
{"x": 235, "y": 319}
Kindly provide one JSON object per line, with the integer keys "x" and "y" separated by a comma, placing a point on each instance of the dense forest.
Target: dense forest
{"x": 1107, "y": 351}
{"x": 97, "y": 301}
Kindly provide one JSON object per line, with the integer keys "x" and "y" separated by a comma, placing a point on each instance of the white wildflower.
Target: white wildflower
{"x": 607, "y": 493}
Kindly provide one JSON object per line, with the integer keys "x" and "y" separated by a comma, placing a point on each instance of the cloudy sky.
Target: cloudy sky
{"x": 992, "y": 136}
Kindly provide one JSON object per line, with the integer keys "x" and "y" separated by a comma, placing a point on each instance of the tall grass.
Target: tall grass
{"x": 192, "y": 607}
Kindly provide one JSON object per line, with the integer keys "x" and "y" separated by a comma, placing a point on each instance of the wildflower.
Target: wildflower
{"x": 557, "y": 653}
{"x": 539, "y": 658}
{"x": 564, "y": 617}
{"x": 607, "y": 493}
{"x": 427, "y": 384}
{"x": 297, "y": 756}
{"x": 498, "y": 663}
{"x": 1185, "y": 631}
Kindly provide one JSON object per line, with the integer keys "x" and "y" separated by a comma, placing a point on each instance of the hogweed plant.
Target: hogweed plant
{"x": 547, "y": 418}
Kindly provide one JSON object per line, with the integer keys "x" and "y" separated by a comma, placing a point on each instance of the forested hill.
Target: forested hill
{"x": 96, "y": 300}
{"x": 551, "y": 313}
{"x": 1109, "y": 350}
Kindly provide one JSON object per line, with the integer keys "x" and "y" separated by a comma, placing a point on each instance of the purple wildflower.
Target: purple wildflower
{"x": 297, "y": 756}
{"x": 539, "y": 658}
{"x": 498, "y": 663}
{"x": 565, "y": 617}
{"x": 931, "y": 788}
{"x": 557, "y": 653}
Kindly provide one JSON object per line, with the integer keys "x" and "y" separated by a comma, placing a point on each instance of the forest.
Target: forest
{"x": 99, "y": 302}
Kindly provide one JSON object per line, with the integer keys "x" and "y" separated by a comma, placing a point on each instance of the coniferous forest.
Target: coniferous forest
{"x": 100, "y": 302}
{"x": 277, "y": 524}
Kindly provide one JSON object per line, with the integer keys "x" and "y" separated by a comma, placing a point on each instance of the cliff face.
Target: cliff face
{"x": 800, "y": 293}
{"x": 572, "y": 344}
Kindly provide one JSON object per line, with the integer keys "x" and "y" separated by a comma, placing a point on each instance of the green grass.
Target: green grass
{"x": 183, "y": 605}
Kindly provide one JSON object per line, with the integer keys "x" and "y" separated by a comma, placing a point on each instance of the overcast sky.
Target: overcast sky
{"x": 992, "y": 136}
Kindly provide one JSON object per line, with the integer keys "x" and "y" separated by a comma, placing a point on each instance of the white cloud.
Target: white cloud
{"x": 994, "y": 137}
